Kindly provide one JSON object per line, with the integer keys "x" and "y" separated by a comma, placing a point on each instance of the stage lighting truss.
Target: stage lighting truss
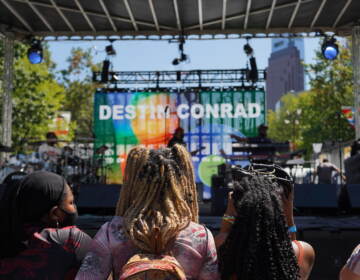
{"x": 35, "y": 52}
{"x": 231, "y": 77}
{"x": 107, "y": 65}
{"x": 330, "y": 48}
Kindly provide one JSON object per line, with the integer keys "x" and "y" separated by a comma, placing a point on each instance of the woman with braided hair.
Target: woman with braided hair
{"x": 157, "y": 214}
{"x": 254, "y": 241}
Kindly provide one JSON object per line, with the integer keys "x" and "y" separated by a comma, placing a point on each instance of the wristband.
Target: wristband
{"x": 292, "y": 229}
{"x": 229, "y": 219}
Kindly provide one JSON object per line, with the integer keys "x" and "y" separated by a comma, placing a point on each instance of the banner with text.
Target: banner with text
{"x": 125, "y": 119}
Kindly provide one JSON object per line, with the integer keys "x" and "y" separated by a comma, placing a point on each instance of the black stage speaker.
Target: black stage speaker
{"x": 2, "y": 188}
{"x": 218, "y": 195}
{"x": 352, "y": 169}
{"x": 354, "y": 195}
{"x": 97, "y": 196}
{"x": 315, "y": 196}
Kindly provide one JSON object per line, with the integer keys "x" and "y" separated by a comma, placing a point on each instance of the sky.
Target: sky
{"x": 158, "y": 55}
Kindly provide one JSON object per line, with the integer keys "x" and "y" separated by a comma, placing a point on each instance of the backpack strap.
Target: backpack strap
{"x": 301, "y": 252}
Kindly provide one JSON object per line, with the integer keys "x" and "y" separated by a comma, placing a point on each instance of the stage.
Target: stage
{"x": 333, "y": 238}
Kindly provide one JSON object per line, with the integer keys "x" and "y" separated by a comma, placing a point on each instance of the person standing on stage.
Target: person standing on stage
{"x": 325, "y": 170}
{"x": 261, "y": 138}
{"x": 178, "y": 138}
{"x": 48, "y": 150}
{"x": 264, "y": 149}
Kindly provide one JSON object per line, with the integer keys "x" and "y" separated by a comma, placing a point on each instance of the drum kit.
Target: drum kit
{"x": 74, "y": 161}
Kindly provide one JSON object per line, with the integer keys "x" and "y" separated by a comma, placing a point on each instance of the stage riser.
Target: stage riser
{"x": 308, "y": 198}
{"x": 332, "y": 249}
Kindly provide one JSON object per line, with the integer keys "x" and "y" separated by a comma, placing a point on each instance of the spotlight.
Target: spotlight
{"x": 330, "y": 48}
{"x": 35, "y": 52}
{"x": 110, "y": 50}
{"x": 248, "y": 49}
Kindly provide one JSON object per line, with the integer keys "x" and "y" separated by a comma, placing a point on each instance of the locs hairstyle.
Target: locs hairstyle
{"x": 158, "y": 198}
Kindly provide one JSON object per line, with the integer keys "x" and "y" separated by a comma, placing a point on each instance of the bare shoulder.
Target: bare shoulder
{"x": 309, "y": 252}
{"x": 347, "y": 274}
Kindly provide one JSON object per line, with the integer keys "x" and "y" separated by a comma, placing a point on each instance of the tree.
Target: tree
{"x": 36, "y": 96}
{"x": 320, "y": 119}
{"x": 79, "y": 90}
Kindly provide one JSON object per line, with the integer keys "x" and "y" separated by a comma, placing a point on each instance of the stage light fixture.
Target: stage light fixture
{"x": 330, "y": 48}
{"x": 175, "y": 61}
{"x": 183, "y": 57}
{"x": 35, "y": 52}
{"x": 248, "y": 49}
{"x": 105, "y": 71}
{"x": 253, "y": 73}
{"x": 110, "y": 50}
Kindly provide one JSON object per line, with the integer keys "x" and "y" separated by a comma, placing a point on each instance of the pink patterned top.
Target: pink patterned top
{"x": 194, "y": 249}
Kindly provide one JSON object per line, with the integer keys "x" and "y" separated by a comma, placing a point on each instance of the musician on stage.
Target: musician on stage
{"x": 263, "y": 151}
{"x": 178, "y": 138}
{"x": 48, "y": 150}
{"x": 260, "y": 139}
{"x": 325, "y": 170}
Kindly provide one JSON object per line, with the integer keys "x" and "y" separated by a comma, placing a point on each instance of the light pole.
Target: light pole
{"x": 293, "y": 119}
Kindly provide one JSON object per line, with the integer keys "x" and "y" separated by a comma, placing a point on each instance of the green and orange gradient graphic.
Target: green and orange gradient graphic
{"x": 152, "y": 126}
{"x": 123, "y": 119}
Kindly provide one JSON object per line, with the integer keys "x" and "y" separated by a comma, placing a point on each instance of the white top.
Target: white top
{"x": 48, "y": 152}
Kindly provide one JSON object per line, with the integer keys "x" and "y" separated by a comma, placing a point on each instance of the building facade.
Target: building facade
{"x": 285, "y": 72}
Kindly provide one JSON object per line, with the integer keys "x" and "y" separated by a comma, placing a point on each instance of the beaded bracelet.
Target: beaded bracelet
{"x": 229, "y": 219}
{"x": 292, "y": 229}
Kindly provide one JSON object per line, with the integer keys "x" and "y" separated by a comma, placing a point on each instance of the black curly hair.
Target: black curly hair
{"x": 258, "y": 246}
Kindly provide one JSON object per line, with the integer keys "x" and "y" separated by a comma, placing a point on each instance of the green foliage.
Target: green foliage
{"x": 320, "y": 119}
{"x": 36, "y": 95}
{"x": 79, "y": 90}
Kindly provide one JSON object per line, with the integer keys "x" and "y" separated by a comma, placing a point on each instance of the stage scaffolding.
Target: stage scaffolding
{"x": 239, "y": 77}
{"x": 170, "y": 20}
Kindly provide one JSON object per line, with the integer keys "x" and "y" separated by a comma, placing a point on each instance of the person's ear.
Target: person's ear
{"x": 54, "y": 215}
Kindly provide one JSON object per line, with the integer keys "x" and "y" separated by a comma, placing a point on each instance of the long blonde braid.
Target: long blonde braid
{"x": 158, "y": 198}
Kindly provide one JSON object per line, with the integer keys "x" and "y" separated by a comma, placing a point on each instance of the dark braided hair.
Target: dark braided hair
{"x": 258, "y": 246}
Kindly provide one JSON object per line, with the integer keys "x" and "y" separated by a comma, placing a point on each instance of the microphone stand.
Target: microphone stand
{"x": 165, "y": 124}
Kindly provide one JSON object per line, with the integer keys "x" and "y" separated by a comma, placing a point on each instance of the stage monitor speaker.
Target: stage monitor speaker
{"x": 315, "y": 196}
{"x": 98, "y": 196}
{"x": 354, "y": 195}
